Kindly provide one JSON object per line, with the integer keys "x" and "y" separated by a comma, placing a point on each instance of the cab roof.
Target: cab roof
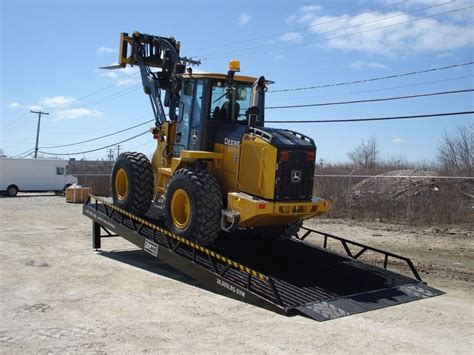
{"x": 241, "y": 78}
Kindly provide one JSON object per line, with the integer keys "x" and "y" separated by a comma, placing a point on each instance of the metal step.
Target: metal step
{"x": 288, "y": 277}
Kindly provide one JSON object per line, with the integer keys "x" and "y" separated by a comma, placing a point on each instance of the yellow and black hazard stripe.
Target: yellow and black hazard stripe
{"x": 183, "y": 240}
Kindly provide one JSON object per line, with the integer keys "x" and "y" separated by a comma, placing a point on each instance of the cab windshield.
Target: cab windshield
{"x": 230, "y": 103}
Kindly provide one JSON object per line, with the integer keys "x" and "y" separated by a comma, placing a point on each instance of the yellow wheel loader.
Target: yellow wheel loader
{"x": 216, "y": 166}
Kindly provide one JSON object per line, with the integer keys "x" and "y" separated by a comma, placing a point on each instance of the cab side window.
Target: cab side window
{"x": 60, "y": 170}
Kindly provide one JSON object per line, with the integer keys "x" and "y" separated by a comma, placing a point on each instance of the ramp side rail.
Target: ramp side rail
{"x": 306, "y": 232}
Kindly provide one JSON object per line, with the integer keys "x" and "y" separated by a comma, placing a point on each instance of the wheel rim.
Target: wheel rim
{"x": 121, "y": 184}
{"x": 180, "y": 209}
{"x": 11, "y": 190}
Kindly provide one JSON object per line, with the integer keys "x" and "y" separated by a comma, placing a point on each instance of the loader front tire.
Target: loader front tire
{"x": 132, "y": 183}
{"x": 193, "y": 205}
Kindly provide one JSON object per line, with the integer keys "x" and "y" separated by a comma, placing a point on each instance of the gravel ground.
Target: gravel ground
{"x": 58, "y": 295}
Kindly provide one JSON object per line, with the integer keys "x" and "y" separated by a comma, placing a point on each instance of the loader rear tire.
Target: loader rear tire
{"x": 284, "y": 232}
{"x": 193, "y": 205}
{"x": 132, "y": 183}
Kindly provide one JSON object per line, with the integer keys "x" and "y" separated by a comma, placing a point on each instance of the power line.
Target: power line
{"x": 28, "y": 154}
{"x": 105, "y": 88}
{"x": 347, "y": 35}
{"x": 372, "y": 90}
{"x": 108, "y": 97}
{"x": 26, "y": 151}
{"x": 375, "y": 79}
{"x": 113, "y": 96}
{"x": 298, "y": 29}
{"x": 20, "y": 125}
{"x": 100, "y": 137}
{"x": 10, "y": 124}
{"x": 379, "y": 118}
{"x": 101, "y": 148}
{"x": 141, "y": 145}
{"x": 220, "y": 54}
{"x": 373, "y": 100}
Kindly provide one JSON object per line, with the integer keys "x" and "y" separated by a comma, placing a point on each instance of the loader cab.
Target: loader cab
{"x": 208, "y": 103}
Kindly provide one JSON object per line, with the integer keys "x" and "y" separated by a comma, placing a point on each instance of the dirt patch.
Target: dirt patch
{"x": 58, "y": 295}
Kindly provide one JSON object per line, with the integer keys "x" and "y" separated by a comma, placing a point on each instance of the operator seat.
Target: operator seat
{"x": 226, "y": 107}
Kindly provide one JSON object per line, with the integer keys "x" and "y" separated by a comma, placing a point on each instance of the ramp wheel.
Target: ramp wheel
{"x": 284, "y": 232}
{"x": 193, "y": 205}
{"x": 132, "y": 183}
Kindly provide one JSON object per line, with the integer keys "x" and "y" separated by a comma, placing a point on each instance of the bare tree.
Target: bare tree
{"x": 456, "y": 150}
{"x": 366, "y": 154}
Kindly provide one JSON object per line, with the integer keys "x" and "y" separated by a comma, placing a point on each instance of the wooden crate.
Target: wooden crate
{"x": 78, "y": 194}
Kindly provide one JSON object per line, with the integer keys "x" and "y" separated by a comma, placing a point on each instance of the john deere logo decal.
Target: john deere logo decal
{"x": 195, "y": 136}
{"x": 295, "y": 176}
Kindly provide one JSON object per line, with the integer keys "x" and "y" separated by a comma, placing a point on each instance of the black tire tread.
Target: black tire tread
{"x": 142, "y": 186}
{"x": 209, "y": 200}
{"x": 7, "y": 192}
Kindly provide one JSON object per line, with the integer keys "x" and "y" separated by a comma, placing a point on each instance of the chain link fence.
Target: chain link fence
{"x": 404, "y": 196}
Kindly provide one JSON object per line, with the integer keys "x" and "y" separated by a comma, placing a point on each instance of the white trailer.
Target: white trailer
{"x": 34, "y": 175}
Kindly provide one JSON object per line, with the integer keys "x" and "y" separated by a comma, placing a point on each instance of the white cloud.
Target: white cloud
{"x": 310, "y": 9}
{"x": 14, "y": 104}
{"x": 361, "y": 64}
{"x": 394, "y": 32}
{"x": 35, "y": 107}
{"x": 244, "y": 18}
{"x": 291, "y": 36}
{"x": 106, "y": 50}
{"x": 74, "y": 113}
{"x": 57, "y": 101}
{"x": 122, "y": 77}
{"x": 304, "y": 14}
{"x": 398, "y": 140}
{"x": 128, "y": 82}
{"x": 405, "y": 36}
{"x": 444, "y": 7}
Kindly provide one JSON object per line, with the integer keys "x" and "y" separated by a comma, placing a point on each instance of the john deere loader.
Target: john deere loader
{"x": 216, "y": 166}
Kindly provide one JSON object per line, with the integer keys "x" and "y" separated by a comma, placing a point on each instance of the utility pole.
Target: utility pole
{"x": 118, "y": 150}
{"x": 38, "y": 129}
{"x": 111, "y": 154}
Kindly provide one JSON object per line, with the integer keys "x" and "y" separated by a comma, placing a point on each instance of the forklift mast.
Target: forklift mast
{"x": 148, "y": 51}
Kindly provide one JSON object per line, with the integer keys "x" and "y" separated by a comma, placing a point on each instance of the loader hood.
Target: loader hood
{"x": 284, "y": 138}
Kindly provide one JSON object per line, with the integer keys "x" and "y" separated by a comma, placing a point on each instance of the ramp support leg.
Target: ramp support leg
{"x": 96, "y": 235}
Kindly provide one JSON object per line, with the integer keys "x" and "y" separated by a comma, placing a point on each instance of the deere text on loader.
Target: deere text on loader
{"x": 216, "y": 166}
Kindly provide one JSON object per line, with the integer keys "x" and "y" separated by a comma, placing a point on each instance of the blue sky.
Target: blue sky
{"x": 51, "y": 51}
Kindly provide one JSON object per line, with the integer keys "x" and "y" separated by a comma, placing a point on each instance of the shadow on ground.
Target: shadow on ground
{"x": 140, "y": 259}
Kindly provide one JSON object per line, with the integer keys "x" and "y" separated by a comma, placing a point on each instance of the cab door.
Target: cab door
{"x": 184, "y": 118}
{"x": 189, "y": 129}
{"x": 197, "y": 136}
